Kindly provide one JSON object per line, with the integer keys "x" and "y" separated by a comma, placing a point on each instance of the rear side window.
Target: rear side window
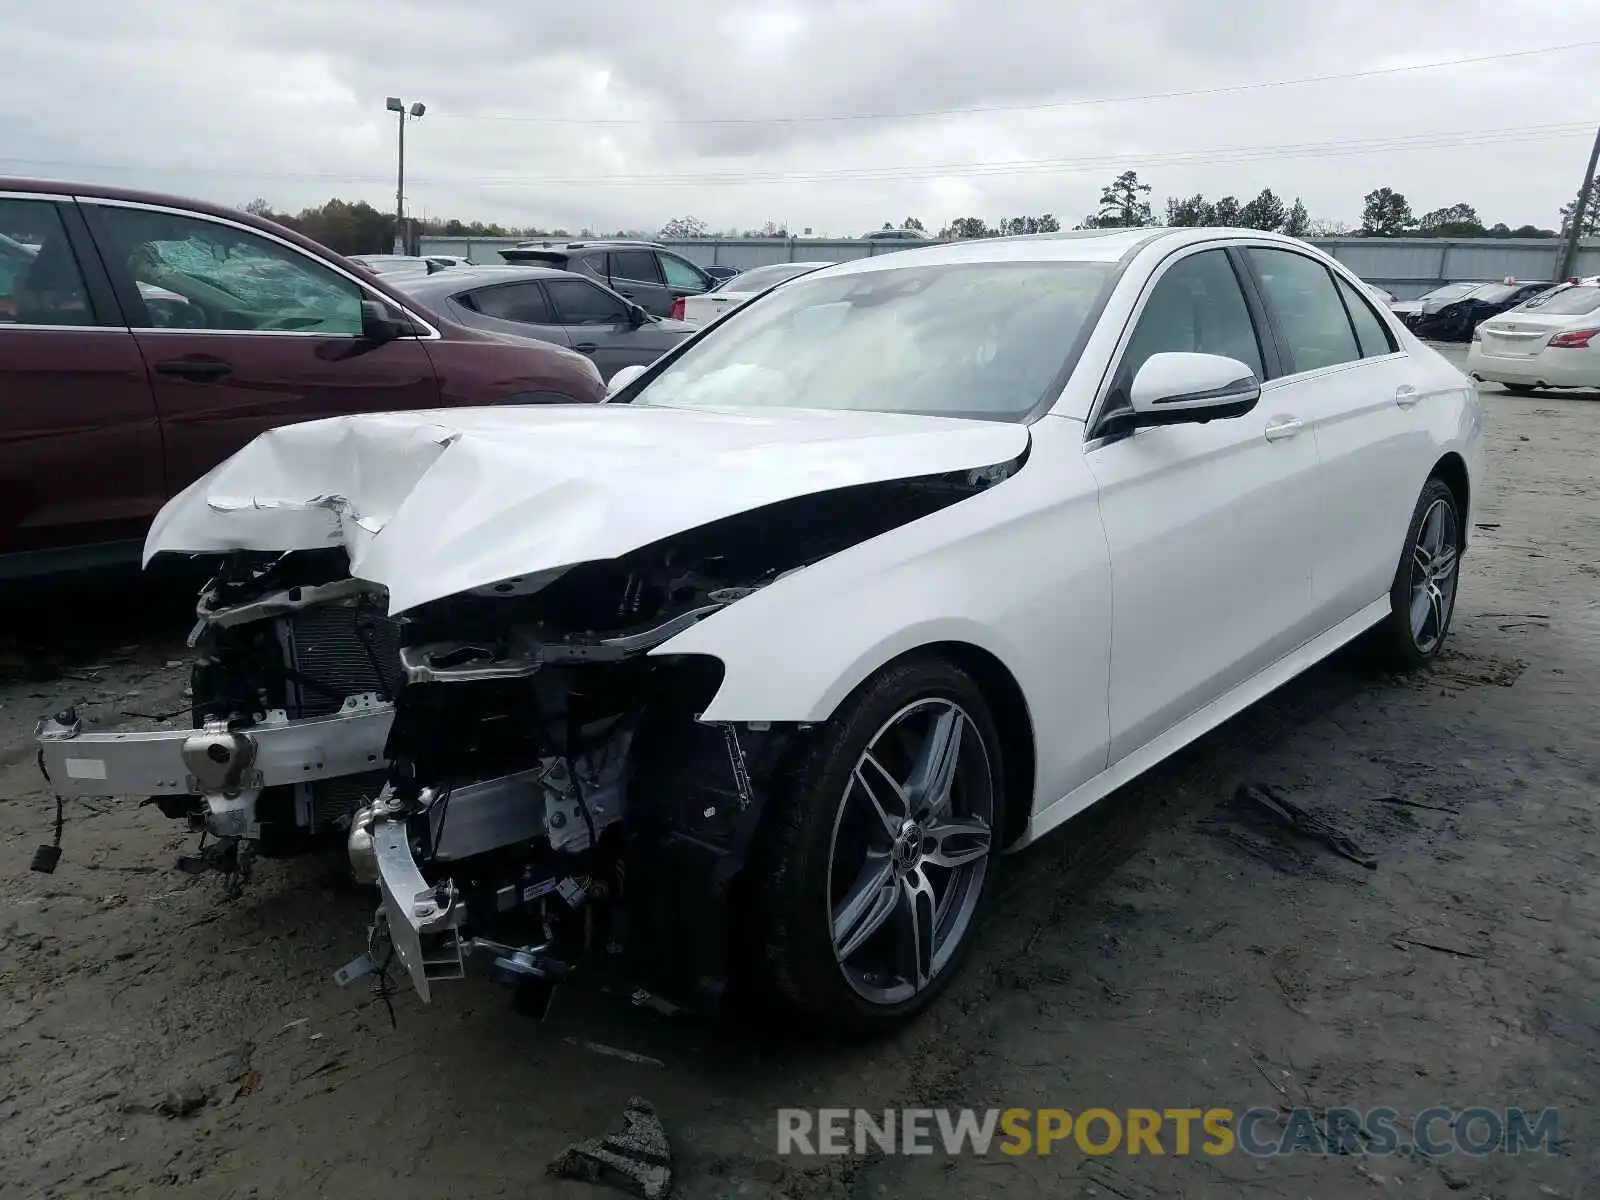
{"x": 1371, "y": 333}
{"x": 523, "y": 302}
{"x": 1197, "y": 307}
{"x": 1567, "y": 302}
{"x": 40, "y": 283}
{"x": 1310, "y": 316}
{"x": 638, "y": 265}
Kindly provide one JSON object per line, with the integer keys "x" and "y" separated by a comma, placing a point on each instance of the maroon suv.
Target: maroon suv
{"x": 143, "y": 339}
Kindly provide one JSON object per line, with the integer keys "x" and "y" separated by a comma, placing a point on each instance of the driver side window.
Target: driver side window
{"x": 1197, "y": 307}
{"x": 681, "y": 275}
{"x": 189, "y": 272}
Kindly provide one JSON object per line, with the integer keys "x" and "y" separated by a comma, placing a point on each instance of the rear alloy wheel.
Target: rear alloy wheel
{"x": 1423, "y": 597}
{"x": 878, "y": 861}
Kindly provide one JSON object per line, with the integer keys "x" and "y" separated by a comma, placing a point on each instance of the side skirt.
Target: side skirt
{"x": 1201, "y": 721}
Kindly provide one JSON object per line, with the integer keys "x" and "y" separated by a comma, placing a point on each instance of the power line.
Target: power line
{"x": 1186, "y": 93}
{"x": 1230, "y": 154}
{"x": 1345, "y": 147}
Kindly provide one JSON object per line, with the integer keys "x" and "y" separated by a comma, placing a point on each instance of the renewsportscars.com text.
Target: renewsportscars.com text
{"x": 1257, "y": 1132}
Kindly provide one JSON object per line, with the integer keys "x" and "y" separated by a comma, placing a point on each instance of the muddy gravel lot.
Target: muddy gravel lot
{"x": 1169, "y": 949}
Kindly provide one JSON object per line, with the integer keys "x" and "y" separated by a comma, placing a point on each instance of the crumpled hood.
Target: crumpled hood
{"x": 433, "y": 503}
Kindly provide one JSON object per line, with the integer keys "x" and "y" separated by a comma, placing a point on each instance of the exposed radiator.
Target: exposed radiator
{"x": 348, "y": 650}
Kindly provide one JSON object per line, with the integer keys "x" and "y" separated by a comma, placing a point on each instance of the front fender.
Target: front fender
{"x": 1020, "y": 571}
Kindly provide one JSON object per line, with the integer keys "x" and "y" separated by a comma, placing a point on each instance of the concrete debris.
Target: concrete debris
{"x": 183, "y": 1101}
{"x": 637, "y": 1160}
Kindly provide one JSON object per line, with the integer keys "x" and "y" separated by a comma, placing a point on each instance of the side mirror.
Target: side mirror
{"x": 1172, "y": 389}
{"x": 379, "y": 325}
{"x": 637, "y": 315}
{"x": 623, "y": 378}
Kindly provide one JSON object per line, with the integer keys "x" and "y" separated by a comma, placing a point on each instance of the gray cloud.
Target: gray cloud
{"x": 229, "y": 101}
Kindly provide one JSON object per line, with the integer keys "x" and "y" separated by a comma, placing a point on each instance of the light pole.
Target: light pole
{"x": 397, "y": 106}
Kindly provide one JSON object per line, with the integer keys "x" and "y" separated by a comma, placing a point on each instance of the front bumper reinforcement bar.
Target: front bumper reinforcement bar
{"x": 215, "y": 759}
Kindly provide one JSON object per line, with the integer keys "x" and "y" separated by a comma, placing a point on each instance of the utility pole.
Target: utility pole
{"x": 1580, "y": 209}
{"x": 395, "y": 105}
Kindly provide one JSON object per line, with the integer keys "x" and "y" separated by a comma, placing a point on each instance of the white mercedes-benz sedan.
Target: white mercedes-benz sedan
{"x": 753, "y": 672}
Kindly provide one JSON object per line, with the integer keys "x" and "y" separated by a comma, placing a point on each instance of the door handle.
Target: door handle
{"x": 586, "y": 348}
{"x": 1405, "y": 395}
{"x": 200, "y": 367}
{"x": 1283, "y": 427}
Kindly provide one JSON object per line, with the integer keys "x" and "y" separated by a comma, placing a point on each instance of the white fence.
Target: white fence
{"x": 1405, "y": 266}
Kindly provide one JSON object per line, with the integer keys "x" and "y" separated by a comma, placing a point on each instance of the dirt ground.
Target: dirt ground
{"x": 1163, "y": 951}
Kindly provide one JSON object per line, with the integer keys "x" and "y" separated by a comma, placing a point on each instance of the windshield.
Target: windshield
{"x": 1565, "y": 302}
{"x": 979, "y": 340}
{"x": 1451, "y": 291}
{"x": 1494, "y": 293}
{"x": 761, "y": 278}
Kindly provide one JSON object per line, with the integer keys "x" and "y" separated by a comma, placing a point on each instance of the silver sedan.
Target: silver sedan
{"x": 552, "y": 306}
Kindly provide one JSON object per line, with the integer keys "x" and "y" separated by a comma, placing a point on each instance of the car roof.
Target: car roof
{"x": 801, "y": 268}
{"x": 1074, "y": 245}
{"x": 463, "y": 279}
{"x": 587, "y": 244}
{"x": 102, "y": 191}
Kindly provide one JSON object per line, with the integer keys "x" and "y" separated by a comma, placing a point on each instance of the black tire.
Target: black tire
{"x": 1398, "y": 643}
{"x": 793, "y": 950}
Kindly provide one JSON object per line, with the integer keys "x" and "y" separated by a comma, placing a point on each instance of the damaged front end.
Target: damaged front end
{"x": 519, "y": 775}
{"x": 293, "y": 684}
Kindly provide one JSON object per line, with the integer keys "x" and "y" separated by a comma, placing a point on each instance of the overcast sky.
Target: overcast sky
{"x": 627, "y": 113}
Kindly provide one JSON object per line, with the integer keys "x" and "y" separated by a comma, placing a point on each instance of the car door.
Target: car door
{"x": 80, "y": 443}
{"x": 521, "y": 308}
{"x": 1206, "y": 523}
{"x": 275, "y": 338}
{"x": 636, "y": 275}
{"x": 597, "y": 323}
{"x": 1350, "y": 382}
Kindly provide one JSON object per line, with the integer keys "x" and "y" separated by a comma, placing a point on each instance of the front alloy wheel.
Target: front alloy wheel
{"x": 874, "y": 865}
{"x": 910, "y": 850}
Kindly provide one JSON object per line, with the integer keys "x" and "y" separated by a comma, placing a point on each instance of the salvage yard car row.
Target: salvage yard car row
{"x": 752, "y": 673}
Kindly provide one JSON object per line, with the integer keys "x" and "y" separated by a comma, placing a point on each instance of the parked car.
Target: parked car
{"x": 144, "y": 339}
{"x": 1449, "y": 314}
{"x": 1551, "y": 341}
{"x": 647, "y": 273}
{"x": 896, "y": 235}
{"x": 406, "y": 265}
{"x": 1382, "y": 294}
{"x": 1409, "y": 310}
{"x": 720, "y": 274}
{"x": 758, "y": 667}
{"x": 702, "y": 310}
{"x": 554, "y": 306}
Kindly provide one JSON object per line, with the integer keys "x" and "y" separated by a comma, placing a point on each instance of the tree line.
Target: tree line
{"x": 1125, "y": 204}
{"x": 355, "y": 227}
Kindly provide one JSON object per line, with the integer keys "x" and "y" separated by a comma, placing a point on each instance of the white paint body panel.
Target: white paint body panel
{"x": 702, "y": 310}
{"x": 957, "y": 575}
{"x": 1138, "y": 589}
{"x": 434, "y": 503}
